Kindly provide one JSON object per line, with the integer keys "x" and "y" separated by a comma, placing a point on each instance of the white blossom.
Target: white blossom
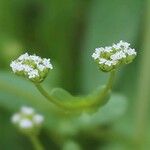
{"x": 102, "y": 60}
{"x": 38, "y": 119}
{"x": 31, "y": 66}
{"x": 123, "y": 44}
{"x": 16, "y": 66}
{"x": 116, "y": 46}
{"x": 108, "y": 49}
{"x": 118, "y": 55}
{"x": 97, "y": 53}
{"x": 27, "y": 118}
{"x": 46, "y": 63}
{"x": 33, "y": 74}
{"x": 16, "y": 118}
{"x": 23, "y": 57}
{"x": 111, "y": 57}
{"x": 130, "y": 51}
{"x": 109, "y": 63}
{"x": 27, "y": 110}
{"x": 25, "y": 124}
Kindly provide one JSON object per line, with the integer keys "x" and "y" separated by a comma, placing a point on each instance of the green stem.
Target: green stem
{"x": 100, "y": 97}
{"x": 110, "y": 82}
{"x": 83, "y": 102}
{"x": 48, "y": 97}
{"x": 142, "y": 103}
{"x": 35, "y": 142}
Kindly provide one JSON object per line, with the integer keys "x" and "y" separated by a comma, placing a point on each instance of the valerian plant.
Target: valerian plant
{"x": 35, "y": 69}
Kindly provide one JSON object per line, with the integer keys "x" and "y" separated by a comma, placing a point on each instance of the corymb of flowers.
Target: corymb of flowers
{"x": 32, "y": 67}
{"x": 111, "y": 57}
{"x": 27, "y": 120}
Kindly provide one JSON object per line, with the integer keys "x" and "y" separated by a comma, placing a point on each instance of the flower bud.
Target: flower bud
{"x": 112, "y": 57}
{"x": 27, "y": 120}
{"x": 32, "y": 67}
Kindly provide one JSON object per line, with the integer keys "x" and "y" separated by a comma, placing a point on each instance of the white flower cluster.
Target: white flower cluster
{"x": 31, "y": 66}
{"x": 27, "y": 119}
{"x": 111, "y": 57}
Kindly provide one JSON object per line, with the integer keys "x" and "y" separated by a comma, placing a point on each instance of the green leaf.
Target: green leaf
{"x": 61, "y": 94}
{"x": 81, "y": 103}
{"x": 110, "y": 112}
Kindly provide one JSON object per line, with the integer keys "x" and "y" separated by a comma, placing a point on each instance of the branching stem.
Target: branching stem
{"x": 83, "y": 103}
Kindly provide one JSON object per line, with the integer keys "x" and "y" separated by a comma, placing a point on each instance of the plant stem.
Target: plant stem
{"x": 142, "y": 103}
{"x": 48, "y": 97}
{"x": 35, "y": 142}
{"x": 110, "y": 81}
{"x": 80, "y": 103}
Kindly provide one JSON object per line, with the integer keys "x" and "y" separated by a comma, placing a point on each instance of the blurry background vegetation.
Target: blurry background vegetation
{"x": 67, "y": 31}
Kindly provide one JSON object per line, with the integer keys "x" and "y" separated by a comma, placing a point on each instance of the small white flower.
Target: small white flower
{"x": 102, "y": 61}
{"x": 96, "y": 54}
{"x": 16, "y": 66}
{"x": 118, "y": 55}
{"x": 27, "y": 68}
{"x": 23, "y": 57}
{"x": 123, "y": 44}
{"x": 131, "y": 52}
{"x": 33, "y": 74}
{"x": 109, "y": 63}
{"x": 46, "y": 63}
{"x": 25, "y": 124}
{"x": 35, "y": 58}
{"x": 108, "y": 49}
{"x": 27, "y": 110}
{"x": 38, "y": 119}
{"x": 16, "y": 118}
{"x": 116, "y": 46}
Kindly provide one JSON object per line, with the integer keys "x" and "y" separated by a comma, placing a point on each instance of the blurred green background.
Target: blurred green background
{"x": 67, "y": 31}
